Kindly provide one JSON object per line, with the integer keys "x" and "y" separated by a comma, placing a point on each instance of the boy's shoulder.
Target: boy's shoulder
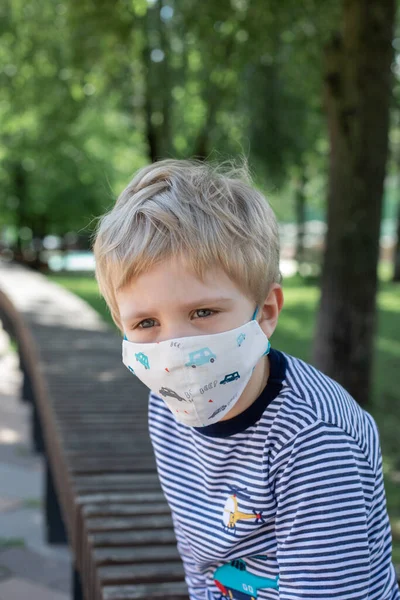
{"x": 309, "y": 396}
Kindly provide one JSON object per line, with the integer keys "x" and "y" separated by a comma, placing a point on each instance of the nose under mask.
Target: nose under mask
{"x": 200, "y": 378}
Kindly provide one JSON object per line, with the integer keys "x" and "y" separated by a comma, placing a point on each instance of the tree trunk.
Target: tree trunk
{"x": 357, "y": 94}
{"x": 396, "y": 271}
{"x": 202, "y": 145}
{"x": 300, "y": 200}
{"x": 396, "y": 255}
{"x": 214, "y": 97}
{"x": 166, "y": 86}
{"x": 151, "y": 130}
{"x": 21, "y": 192}
{"x": 158, "y": 86}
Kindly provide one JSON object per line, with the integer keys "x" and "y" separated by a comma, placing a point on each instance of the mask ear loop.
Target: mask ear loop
{"x": 253, "y": 318}
{"x": 268, "y": 349}
{"x": 125, "y": 338}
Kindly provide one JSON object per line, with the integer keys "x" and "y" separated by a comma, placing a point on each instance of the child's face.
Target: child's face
{"x": 169, "y": 301}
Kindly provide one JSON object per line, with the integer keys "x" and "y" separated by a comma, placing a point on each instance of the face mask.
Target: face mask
{"x": 199, "y": 377}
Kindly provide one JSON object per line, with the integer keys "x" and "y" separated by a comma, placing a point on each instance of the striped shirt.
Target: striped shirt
{"x": 285, "y": 500}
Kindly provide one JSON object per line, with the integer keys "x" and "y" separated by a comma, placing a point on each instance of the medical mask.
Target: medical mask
{"x": 200, "y": 377}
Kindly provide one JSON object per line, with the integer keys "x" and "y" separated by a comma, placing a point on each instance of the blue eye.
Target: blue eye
{"x": 142, "y": 324}
{"x": 204, "y": 310}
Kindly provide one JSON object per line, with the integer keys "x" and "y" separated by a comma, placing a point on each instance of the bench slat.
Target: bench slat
{"x": 135, "y": 554}
{"x": 141, "y": 573}
{"x": 120, "y": 523}
{"x": 150, "y": 591}
{"x": 129, "y": 510}
{"x": 133, "y": 538}
{"x": 122, "y": 498}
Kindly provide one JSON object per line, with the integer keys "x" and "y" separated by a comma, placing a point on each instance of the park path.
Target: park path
{"x": 29, "y": 568}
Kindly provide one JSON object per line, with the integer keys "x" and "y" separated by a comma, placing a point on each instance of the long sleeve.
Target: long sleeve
{"x": 195, "y": 580}
{"x": 294, "y": 500}
{"x": 324, "y": 487}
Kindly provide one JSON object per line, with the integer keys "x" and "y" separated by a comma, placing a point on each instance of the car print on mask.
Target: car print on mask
{"x": 230, "y": 377}
{"x": 200, "y": 357}
{"x": 131, "y": 370}
{"x": 164, "y": 391}
{"x": 143, "y": 359}
{"x": 240, "y": 339}
{"x": 216, "y": 412}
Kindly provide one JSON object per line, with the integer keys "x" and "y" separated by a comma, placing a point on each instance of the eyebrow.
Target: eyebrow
{"x": 201, "y": 302}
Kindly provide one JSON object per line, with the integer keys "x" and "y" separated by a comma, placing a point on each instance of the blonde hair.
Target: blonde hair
{"x": 205, "y": 213}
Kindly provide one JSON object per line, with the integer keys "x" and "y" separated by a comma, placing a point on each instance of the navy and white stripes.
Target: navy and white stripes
{"x": 298, "y": 495}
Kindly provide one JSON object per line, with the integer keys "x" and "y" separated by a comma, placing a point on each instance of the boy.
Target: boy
{"x": 272, "y": 471}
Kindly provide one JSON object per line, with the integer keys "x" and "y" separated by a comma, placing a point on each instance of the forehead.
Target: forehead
{"x": 173, "y": 284}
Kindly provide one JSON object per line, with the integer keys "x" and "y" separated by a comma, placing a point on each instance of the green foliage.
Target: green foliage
{"x": 57, "y": 170}
{"x": 90, "y": 92}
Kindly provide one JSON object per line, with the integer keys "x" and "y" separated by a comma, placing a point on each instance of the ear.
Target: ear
{"x": 270, "y": 310}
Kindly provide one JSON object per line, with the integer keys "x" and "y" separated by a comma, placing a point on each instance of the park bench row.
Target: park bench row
{"x": 89, "y": 418}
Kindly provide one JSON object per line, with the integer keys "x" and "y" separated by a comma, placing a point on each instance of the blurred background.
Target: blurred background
{"x": 90, "y": 91}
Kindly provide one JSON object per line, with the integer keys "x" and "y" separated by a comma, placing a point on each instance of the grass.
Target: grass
{"x": 6, "y": 543}
{"x": 294, "y": 335}
{"x": 32, "y": 503}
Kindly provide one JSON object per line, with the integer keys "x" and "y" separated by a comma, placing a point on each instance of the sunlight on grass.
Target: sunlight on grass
{"x": 6, "y": 543}
{"x": 389, "y": 297}
{"x": 385, "y": 271}
{"x": 387, "y": 345}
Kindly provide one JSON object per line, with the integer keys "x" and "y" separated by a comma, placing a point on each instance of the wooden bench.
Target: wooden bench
{"x": 90, "y": 421}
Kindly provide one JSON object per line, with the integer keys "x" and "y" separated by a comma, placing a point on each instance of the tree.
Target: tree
{"x": 287, "y": 129}
{"x": 396, "y": 164}
{"x": 396, "y": 270}
{"x": 58, "y": 126}
{"x": 357, "y": 94}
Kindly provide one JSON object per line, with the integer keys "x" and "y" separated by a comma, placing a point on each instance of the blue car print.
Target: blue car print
{"x": 240, "y": 339}
{"x": 230, "y": 377}
{"x": 200, "y": 357}
{"x": 131, "y": 370}
{"x": 143, "y": 359}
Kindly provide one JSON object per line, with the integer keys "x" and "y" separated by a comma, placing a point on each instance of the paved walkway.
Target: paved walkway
{"x": 29, "y": 568}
